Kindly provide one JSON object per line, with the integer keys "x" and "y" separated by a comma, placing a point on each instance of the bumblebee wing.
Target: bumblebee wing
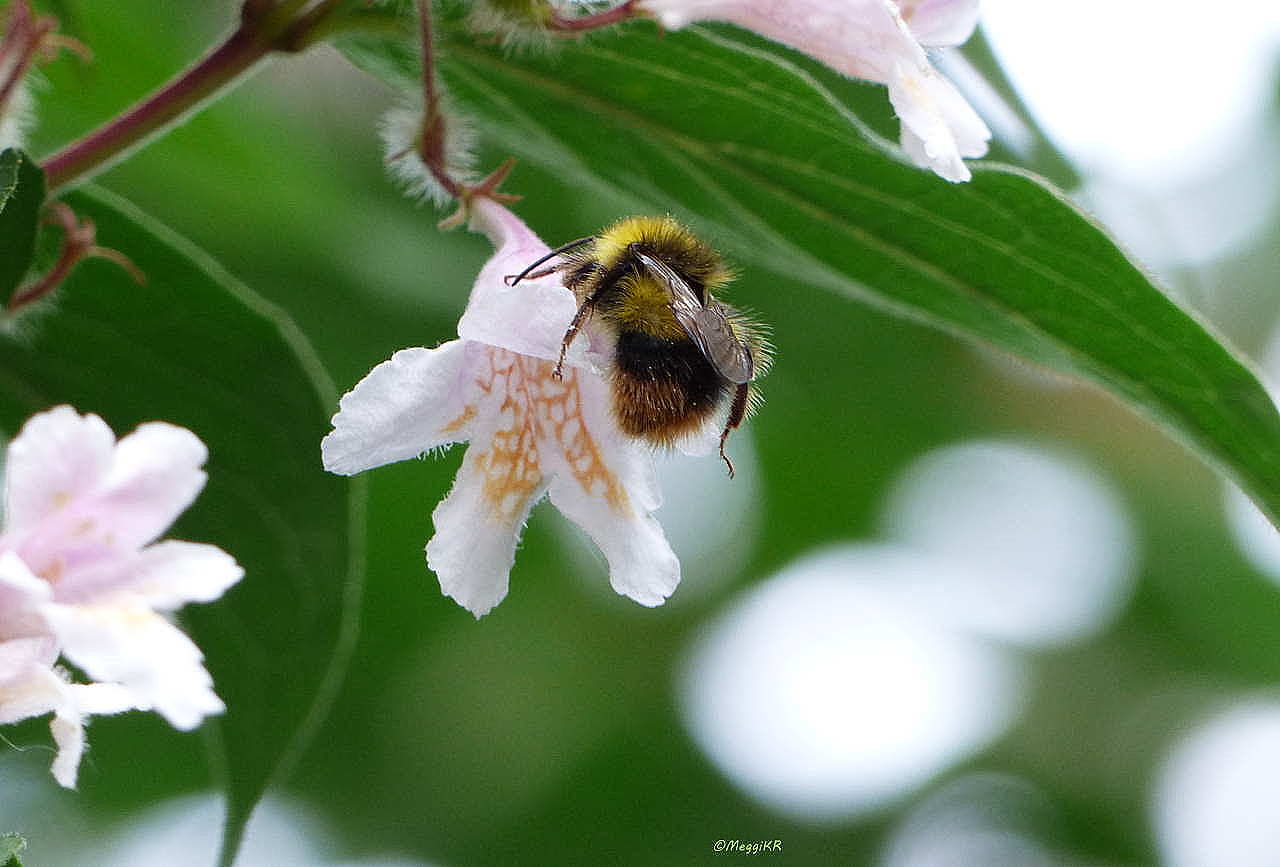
{"x": 707, "y": 326}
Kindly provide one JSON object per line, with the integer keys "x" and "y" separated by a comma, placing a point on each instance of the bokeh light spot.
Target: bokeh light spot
{"x": 1215, "y": 799}
{"x": 1040, "y": 547}
{"x": 825, "y": 694}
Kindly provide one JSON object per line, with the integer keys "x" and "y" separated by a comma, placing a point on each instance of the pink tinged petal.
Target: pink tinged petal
{"x": 57, "y": 457}
{"x": 529, "y": 318}
{"x": 33, "y": 690}
{"x": 404, "y": 407}
{"x": 859, "y": 38}
{"x": 151, "y": 477}
{"x": 168, "y": 575}
{"x": 940, "y": 22}
{"x": 18, "y": 583}
{"x": 938, "y": 126}
{"x": 164, "y": 576}
{"x": 154, "y": 477}
{"x": 158, "y": 666}
{"x": 869, "y": 39}
{"x": 21, "y": 594}
{"x": 19, "y": 655}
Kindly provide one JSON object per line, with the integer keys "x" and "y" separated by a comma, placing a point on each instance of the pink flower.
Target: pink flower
{"x": 80, "y": 577}
{"x": 876, "y": 40}
{"x": 529, "y": 434}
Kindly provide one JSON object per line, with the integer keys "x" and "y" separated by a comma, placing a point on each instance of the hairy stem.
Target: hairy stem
{"x": 432, "y": 144}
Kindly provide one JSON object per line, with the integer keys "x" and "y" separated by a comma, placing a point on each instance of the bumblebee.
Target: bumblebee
{"x": 679, "y": 354}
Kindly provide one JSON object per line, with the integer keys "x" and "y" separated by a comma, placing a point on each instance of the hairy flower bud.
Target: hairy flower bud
{"x": 410, "y": 137}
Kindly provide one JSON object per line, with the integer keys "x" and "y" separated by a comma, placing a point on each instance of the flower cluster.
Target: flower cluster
{"x": 876, "y": 40}
{"x": 530, "y": 433}
{"x": 82, "y": 577}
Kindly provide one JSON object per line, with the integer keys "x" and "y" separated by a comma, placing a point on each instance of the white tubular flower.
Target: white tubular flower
{"x": 875, "y": 40}
{"x": 529, "y": 434}
{"x": 79, "y": 576}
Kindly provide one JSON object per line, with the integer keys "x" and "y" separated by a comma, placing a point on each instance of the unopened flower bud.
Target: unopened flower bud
{"x": 430, "y": 154}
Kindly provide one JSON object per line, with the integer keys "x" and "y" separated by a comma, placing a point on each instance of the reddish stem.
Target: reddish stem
{"x": 432, "y": 146}
{"x": 608, "y": 18}
{"x": 23, "y": 37}
{"x": 218, "y": 68}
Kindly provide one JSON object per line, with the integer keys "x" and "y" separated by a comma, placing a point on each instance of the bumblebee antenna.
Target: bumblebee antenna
{"x": 511, "y": 281}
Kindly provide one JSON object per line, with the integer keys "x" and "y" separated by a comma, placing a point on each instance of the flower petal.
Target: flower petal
{"x": 21, "y": 594}
{"x": 93, "y": 508}
{"x": 56, "y": 458}
{"x": 18, "y": 655}
{"x": 34, "y": 690}
{"x": 67, "y": 725}
{"x": 68, "y": 734}
{"x": 529, "y": 318}
{"x": 164, "y": 576}
{"x": 474, "y": 546}
{"x": 869, "y": 39}
{"x": 408, "y": 405}
{"x": 478, "y": 524}
{"x": 642, "y": 565}
{"x": 938, "y": 126}
{"x": 142, "y": 652}
{"x": 613, "y": 504}
{"x": 940, "y": 22}
{"x": 154, "y": 477}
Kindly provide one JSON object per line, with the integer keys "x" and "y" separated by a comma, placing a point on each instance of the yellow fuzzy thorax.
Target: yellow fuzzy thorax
{"x": 644, "y": 305}
{"x": 668, "y": 239}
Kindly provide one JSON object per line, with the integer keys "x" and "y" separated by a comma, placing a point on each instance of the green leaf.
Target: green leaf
{"x": 21, "y": 195}
{"x": 196, "y": 348}
{"x": 744, "y": 145}
{"x": 11, "y": 846}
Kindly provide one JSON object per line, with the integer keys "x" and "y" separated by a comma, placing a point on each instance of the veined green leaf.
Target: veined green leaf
{"x": 755, "y": 153}
{"x": 196, "y": 348}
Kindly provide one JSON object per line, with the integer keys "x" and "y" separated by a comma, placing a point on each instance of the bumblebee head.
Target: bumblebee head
{"x": 665, "y": 239}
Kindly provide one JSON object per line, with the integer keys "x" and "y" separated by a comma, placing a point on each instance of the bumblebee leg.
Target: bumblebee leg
{"x": 574, "y": 326}
{"x": 737, "y": 411}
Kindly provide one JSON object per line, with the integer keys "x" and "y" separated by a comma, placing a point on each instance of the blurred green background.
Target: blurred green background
{"x": 572, "y": 726}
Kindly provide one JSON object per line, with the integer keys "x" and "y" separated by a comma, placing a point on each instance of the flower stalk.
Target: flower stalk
{"x": 264, "y": 28}
{"x": 573, "y": 26}
{"x": 431, "y": 143}
{"x": 24, "y": 35}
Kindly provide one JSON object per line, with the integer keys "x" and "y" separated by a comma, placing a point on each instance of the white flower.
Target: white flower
{"x": 79, "y": 576}
{"x": 529, "y": 433}
{"x": 876, "y": 40}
